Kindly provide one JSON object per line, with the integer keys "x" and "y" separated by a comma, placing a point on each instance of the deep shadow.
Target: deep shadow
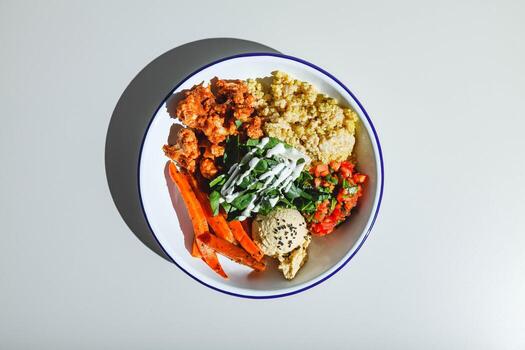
{"x": 134, "y": 111}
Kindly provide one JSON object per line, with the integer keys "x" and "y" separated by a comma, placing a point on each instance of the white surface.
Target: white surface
{"x": 326, "y": 254}
{"x": 444, "y": 267}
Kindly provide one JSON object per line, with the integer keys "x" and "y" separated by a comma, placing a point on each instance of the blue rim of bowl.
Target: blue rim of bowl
{"x": 256, "y": 54}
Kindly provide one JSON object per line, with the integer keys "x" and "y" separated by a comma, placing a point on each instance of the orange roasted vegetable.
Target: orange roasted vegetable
{"x": 197, "y": 216}
{"x": 244, "y": 240}
{"x": 218, "y": 223}
{"x": 231, "y": 251}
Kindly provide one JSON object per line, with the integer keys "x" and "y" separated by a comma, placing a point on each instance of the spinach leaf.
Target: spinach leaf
{"x": 271, "y": 143}
{"x": 293, "y": 193}
{"x": 246, "y": 182}
{"x": 286, "y": 203}
{"x": 214, "y": 202}
{"x": 227, "y": 207}
{"x": 272, "y": 162}
{"x": 265, "y": 207}
{"x": 231, "y": 152}
{"x": 242, "y": 201}
{"x": 306, "y": 195}
{"x": 261, "y": 166}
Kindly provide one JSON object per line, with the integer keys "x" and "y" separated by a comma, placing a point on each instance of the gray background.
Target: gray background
{"x": 444, "y": 83}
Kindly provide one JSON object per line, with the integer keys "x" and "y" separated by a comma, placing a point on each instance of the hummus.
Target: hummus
{"x": 282, "y": 234}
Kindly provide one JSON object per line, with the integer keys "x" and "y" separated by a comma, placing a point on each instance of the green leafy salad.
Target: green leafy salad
{"x": 260, "y": 175}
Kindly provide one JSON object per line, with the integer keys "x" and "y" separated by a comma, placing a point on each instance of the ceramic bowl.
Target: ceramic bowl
{"x": 167, "y": 217}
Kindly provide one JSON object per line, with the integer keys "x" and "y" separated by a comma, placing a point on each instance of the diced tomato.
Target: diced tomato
{"x": 351, "y": 202}
{"x": 345, "y": 172}
{"x": 359, "y": 178}
{"x": 341, "y": 195}
{"x": 348, "y": 165}
{"x": 321, "y": 170}
{"x": 337, "y": 177}
{"x": 334, "y": 165}
{"x": 317, "y": 229}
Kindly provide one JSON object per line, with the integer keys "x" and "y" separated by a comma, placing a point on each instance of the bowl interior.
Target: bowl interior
{"x": 170, "y": 223}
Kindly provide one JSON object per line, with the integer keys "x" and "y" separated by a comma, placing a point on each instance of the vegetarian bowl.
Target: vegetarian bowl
{"x": 238, "y": 158}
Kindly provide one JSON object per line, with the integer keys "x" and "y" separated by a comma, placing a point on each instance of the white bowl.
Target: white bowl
{"x": 169, "y": 222}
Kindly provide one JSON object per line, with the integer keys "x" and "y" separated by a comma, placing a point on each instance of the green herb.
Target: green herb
{"x": 231, "y": 152}
{"x": 322, "y": 197}
{"x": 259, "y": 192}
{"x": 286, "y": 202}
{"x": 308, "y": 208}
{"x": 272, "y": 162}
{"x": 241, "y": 202}
{"x": 333, "y": 203}
{"x": 246, "y": 182}
{"x": 238, "y": 123}
{"x": 252, "y": 142}
{"x": 306, "y": 195}
{"x": 227, "y": 207}
{"x": 262, "y": 166}
{"x": 219, "y": 180}
{"x": 272, "y": 143}
{"x": 332, "y": 179}
{"x": 293, "y": 193}
{"x": 322, "y": 189}
{"x": 214, "y": 202}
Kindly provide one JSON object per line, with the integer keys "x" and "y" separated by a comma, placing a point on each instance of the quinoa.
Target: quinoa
{"x": 296, "y": 113}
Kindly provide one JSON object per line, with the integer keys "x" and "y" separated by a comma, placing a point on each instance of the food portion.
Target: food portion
{"x": 260, "y": 174}
{"x": 279, "y": 232}
{"x": 263, "y": 166}
{"x": 282, "y": 234}
{"x": 296, "y": 113}
{"x": 211, "y": 117}
{"x": 335, "y": 189}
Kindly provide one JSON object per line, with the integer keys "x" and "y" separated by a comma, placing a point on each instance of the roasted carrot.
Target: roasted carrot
{"x": 218, "y": 223}
{"x": 244, "y": 240}
{"x": 209, "y": 256}
{"x": 195, "y": 249}
{"x": 247, "y": 226}
{"x": 231, "y": 251}
{"x": 198, "y": 218}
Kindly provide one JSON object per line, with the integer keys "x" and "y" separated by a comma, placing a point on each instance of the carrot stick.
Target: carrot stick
{"x": 198, "y": 218}
{"x": 245, "y": 240}
{"x": 218, "y": 223}
{"x": 231, "y": 251}
{"x": 247, "y": 226}
{"x": 195, "y": 250}
{"x": 209, "y": 256}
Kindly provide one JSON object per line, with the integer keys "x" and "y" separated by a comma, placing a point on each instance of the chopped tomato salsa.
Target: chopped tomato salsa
{"x": 340, "y": 188}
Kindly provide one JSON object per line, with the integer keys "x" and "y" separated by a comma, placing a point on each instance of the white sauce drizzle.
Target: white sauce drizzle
{"x": 280, "y": 177}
